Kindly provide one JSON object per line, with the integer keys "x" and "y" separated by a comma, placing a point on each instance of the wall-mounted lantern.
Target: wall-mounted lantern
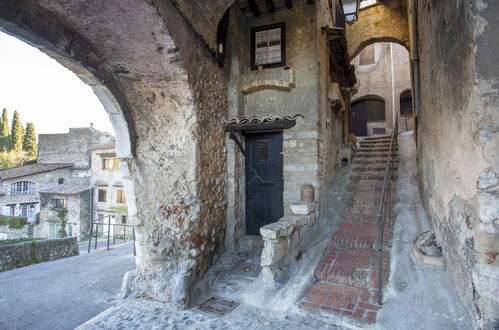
{"x": 351, "y": 10}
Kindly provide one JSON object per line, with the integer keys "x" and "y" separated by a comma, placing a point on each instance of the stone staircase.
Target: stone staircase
{"x": 346, "y": 277}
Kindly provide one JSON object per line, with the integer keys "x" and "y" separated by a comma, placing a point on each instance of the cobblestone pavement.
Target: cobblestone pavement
{"x": 142, "y": 314}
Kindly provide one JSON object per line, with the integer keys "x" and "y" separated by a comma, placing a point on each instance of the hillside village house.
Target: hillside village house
{"x": 60, "y": 179}
{"x": 107, "y": 183}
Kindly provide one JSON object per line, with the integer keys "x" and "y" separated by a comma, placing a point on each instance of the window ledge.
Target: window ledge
{"x": 278, "y": 79}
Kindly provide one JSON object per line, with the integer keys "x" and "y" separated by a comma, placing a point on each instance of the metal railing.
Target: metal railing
{"x": 116, "y": 232}
{"x": 385, "y": 209}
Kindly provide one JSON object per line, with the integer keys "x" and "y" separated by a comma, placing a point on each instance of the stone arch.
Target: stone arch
{"x": 384, "y": 22}
{"x": 147, "y": 64}
{"x": 372, "y": 41}
{"x": 368, "y": 96}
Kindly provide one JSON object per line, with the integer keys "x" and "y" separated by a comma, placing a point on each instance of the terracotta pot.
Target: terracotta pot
{"x": 307, "y": 193}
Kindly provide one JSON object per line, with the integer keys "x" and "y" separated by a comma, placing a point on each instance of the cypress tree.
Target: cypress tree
{"x": 17, "y": 133}
{"x": 29, "y": 141}
{"x": 5, "y": 142}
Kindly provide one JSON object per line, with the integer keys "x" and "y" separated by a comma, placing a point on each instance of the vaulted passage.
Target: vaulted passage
{"x": 190, "y": 83}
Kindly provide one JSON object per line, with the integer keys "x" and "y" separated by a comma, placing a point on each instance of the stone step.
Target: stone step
{"x": 376, "y": 149}
{"x": 357, "y": 267}
{"x": 370, "y": 176}
{"x": 363, "y": 161}
{"x": 360, "y": 235}
{"x": 251, "y": 242}
{"x": 374, "y": 142}
{"x": 366, "y": 185}
{"x": 372, "y": 155}
{"x": 342, "y": 300}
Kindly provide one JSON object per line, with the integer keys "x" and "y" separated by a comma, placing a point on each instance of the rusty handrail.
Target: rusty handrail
{"x": 100, "y": 221}
{"x": 380, "y": 215}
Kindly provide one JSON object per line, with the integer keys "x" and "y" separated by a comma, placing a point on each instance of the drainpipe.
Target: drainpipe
{"x": 415, "y": 59}
{"x": 393, "y": 87}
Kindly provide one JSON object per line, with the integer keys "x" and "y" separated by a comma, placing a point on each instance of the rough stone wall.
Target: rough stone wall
{"x": 376, "y": 79}
{"x": 384, "y": 22}
{"x": 84, "y": 216}
{"x": 24, "y": 254}
{"x": 172, "y": 97}
{"x": 70, "y": 147}
{"x": 458, "y": 143}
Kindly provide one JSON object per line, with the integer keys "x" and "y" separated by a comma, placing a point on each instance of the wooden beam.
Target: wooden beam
{"x": 254, "y": 8}
{"x": 289, "y": 3}
{"x": 269, "y": 4}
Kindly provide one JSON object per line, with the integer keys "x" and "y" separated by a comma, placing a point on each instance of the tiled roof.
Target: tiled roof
{"x": 258, "y": 120}
{"x": 31, "y": 169}
{"x": 104, "y": 146}
{"x": 66, "y": 189}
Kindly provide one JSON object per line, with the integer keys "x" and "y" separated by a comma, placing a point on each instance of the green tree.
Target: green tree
{"x": 5, "y": 142}
{"x": 17, "y": 133}
{"x": 29, "y": 141}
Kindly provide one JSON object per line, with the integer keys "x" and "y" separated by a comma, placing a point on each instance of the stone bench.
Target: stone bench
{"x": 283, "y": 243}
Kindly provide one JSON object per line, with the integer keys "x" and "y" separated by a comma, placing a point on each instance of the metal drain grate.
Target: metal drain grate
{"x": 218, "y": 306}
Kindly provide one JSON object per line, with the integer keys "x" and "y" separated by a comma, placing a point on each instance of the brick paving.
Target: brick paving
{"x": 347, "y": 274}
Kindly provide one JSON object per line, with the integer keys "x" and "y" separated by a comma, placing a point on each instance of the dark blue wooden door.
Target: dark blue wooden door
{"x": 264, "y": 182}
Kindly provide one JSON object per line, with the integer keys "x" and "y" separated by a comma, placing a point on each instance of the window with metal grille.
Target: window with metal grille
{"x": 23, "y": 188}
{"x": 375, "y": 109}
{"x": 102, "y": 195}
{"x": 268, "y": 46}
{"x": 366, "y": 56}
{"x": 406, "y": 103}
{"x": 262, "y": 150}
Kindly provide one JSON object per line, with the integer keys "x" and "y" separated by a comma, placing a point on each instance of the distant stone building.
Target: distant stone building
{"x": 59, "y": 180}
{"x": 72, "y": 147}
{"x": 384, "y": 89}
{"x": 20, "y": 192}
{"x": 68, "y": 203}
{"x": 107, "y": 182}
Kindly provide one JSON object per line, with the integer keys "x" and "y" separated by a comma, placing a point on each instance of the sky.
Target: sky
{"x": 44, "y": 92}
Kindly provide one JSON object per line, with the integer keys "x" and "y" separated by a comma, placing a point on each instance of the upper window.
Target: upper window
{"x": 366, "y": 56}
{"x": 102, "y": 195}
{"x": 120, "y": 196}
{"x": 110, "y": 164}
{"x": 23, "y": 188}
{"x": 406, "y": 103}
{"x": 268, "y": 46}
{"x": 60, "y": 181}
{"x": 60, "y": 203}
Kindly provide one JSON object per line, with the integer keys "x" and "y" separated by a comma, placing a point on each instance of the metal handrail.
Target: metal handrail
{"x": 100, "y": 221}
{"x": 384, "y": 204}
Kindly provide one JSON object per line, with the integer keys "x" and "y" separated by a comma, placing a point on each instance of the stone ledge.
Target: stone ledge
{"x": 283, "y": 241}
{"x": 278, "y": 79}
{"x": 302, "y": 208}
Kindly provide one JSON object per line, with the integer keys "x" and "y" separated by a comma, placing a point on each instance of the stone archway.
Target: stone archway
{"x": 384, "y": 22}
{"x": 167, "y": 99}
